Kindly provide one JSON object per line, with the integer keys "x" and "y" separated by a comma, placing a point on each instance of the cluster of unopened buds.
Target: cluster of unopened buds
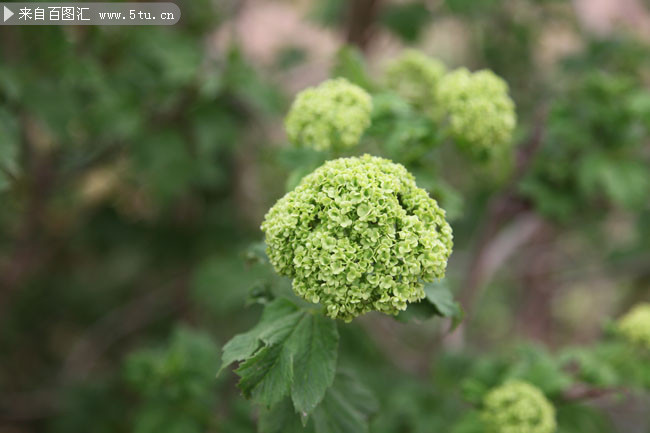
{"x": 331, "y": 116}
{"x": 518, "y": 407}
{"x": 358, "y": 235}
{"x": 635, "y": 325}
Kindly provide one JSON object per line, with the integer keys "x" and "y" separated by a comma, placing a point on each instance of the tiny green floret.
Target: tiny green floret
{"x": 415, "y": 77}
{"x": 518, "y": 407}
{"x": 333, "y": 115}
{"x": 481, "y": 114}
{"x": 358, "y": 235}
{"x": 635, "y": 325}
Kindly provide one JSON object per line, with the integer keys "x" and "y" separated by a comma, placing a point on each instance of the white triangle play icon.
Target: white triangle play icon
{"x": 8, "y": 14}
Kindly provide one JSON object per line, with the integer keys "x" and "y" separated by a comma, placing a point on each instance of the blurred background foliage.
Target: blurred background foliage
{"x": 136, "y": 164}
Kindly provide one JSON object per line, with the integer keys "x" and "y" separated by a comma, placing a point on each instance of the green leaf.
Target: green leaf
{"x": 351, "y": 65}
{"x": 573, "y": 417}
{"x": 329, "y": 13}
{"x": 164, "y": 163}
{"x": 8, "y": 148}
{"x": 418, "y": 312}
{"x": 277, "y": 320}
{"x": 361, "y": 398}
{"x": 287, "y": 344}
{"x": 440, "y": 296}
{"x": 239, "y": 348}
{"x": 267, "y": 375}
{"x": 345, "y": 408}
{"x": 336, "y": 415}
{"x": 314, "y": 345}
{"x": 537, "y": 366}
{"x": 281, "y": 418}
{"x": 256, "y": 253}
{"x": 406, "y": 20}
{"x": 624, "y": 182}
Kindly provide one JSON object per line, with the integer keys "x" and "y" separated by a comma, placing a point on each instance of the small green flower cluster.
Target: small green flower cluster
{"x": 358, "y": 235}
{"x": 635, "y": 325}
{"x": 481, "y": 114}
{"x": 415, "y": 77}
{"x": 332, "y": 115}
{"x": 518, "y": 407}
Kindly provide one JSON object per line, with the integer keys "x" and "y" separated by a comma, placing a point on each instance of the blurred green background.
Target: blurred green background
{"x": 136, "y": 164}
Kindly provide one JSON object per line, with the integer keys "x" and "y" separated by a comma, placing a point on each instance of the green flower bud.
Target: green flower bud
{"x": 358, "y": 235}
{"x": 415, "y": 77}
{"x": 481, "y": 114}
{"x": 332, "y": 115}
{"x": 518, "y": 407}
{"x": 635, "y": 325}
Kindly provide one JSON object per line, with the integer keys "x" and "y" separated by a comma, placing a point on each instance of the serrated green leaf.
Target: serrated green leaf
{"x": 336, "y": 415}
{"x": 266, "y": 376}
{"x": 440, "y": 296}
{"x": 277, "y": 321}
{"x": 314, "y": 345}
{"x": 417, "y": 312}
{"x": 287, "y": 342}
{"x": 239, "y": 348}
{"x": 350, "y": 64}
{"x": 282, "y": 418}
{"x": 361, "y": 398}
{"x": 345, "y": 408}
{"x": 281, "y": 328}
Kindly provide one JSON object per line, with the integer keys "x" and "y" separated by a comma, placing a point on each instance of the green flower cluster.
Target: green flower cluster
{"x": 518, "y": 407}
{"x": 481, "y": 114}
{"x": 415, "y": 77}
{"x": 635, "y": 325}
{"x": 358, "y": 235}
{"x": 332, "y": 115}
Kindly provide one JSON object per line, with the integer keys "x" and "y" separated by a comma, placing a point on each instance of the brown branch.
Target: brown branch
{"x": 584, "y": 392}
{"x": 22, "y": 406}
{"x": 361, "y": 17}
{"x": 534, "y": 312}
{"x": 39, "y": 182}
{"x": 501, "y": 209}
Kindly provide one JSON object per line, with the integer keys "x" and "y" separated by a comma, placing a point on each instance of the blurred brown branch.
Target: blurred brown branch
{"x": 38, "y": 183}
{"x": 585, "y": 392}
{"x": 361, "y": 18}
{"x": 501, "y": 209}
{"x": 19, "y": 406}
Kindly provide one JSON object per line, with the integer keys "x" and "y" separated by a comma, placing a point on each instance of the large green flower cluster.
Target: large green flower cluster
{"x": 415, "y": 77}
{"x": 635, "y": 325}
{"x": 481, "y": 114}
{"x": 358, "y": 235}
{"x": 518, "y": 407}
{"x": 332, "y": 115}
